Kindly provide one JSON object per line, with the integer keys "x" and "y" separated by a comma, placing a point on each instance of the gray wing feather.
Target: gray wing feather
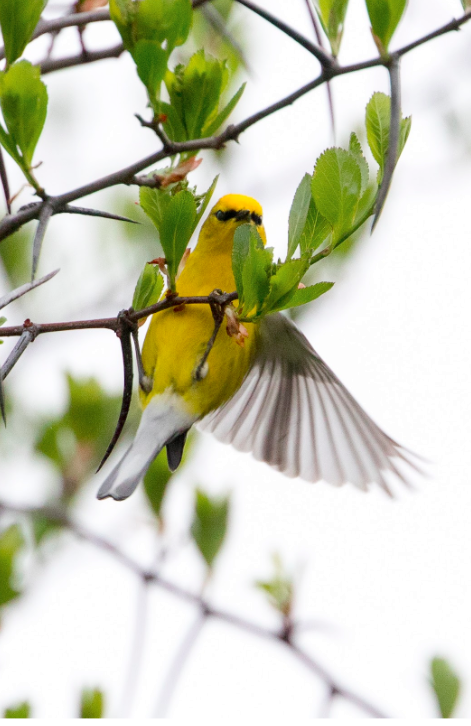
{"x": 293, "y": 413}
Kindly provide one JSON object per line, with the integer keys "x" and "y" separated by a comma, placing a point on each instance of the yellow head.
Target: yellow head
{"x": 229, "y": 213}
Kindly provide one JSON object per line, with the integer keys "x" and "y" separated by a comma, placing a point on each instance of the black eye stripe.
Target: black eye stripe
{"x": 232, "y": 214}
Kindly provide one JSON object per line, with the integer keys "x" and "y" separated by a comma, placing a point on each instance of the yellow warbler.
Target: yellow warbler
{"x": 273, "y": 396}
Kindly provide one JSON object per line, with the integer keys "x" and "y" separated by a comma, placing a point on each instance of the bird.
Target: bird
{"x": 273, "y": 395}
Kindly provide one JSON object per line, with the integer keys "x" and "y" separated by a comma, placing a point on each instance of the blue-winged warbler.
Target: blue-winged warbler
{"x": 273, "y": 396}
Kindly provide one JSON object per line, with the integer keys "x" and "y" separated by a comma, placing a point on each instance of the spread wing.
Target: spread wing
{"x": 293, "y": 413}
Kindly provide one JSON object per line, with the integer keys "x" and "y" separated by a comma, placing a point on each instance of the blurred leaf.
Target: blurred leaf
{"x": 195, "y": 91}
{"x": 357, "y": 151}
{"x": 151, "y": 63}
{"x": 216, "y": 123}
{"x": 378, "y": 117}
{"x": 149, "y": 287}
{"x": 298, "y": 213}
{"x": 446, "y": 686}
{"x": 332, "y": 16}
{"x": 336, "y": 188}
{"x": 384, "y": 17}
{"x": 15, "y": 253}
{"x": 306, "y": 294}
{"x": 23, "y": 710}
{"x": 155, "y": 482}
{"x": 92, "y": 703}
{"x": 164, "y": 20}
{"x": 280, "y": 589}
{"x": 123, "y": 14}
{"x": 11, "y": 542}
{"x": 43, "y": 527}
{"x": 209, "y": 524}
{"x": 18, "y": 20}
{"x": 3, "y": 320}
{"x": 176, "y": 227}
{"x": 203, "y": 201}
{"x": 23, "y": 100}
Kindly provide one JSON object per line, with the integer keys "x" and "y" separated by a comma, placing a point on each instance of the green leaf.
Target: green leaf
{"x": 195, "y": 91}
{"x": 280, "y": 589}
{"x": 315, "y": 231}
{"x": 151, "y": 63}
{"x": 357, "y": 151}
{"x": 240, "y": 251}
{"x": 123, "y": 14}
{"x": 155, "y": 482}
{"x": 298, "y": 213}
{"x": 11, "y": 542}
{"x": 18, "y": 20}
{"x": 204, "y": 201}
{"x": 164, "y": 20}
{"x": 176, "y": 228}
{"x": 336, "y": 188}
{"x": 332, "y": 16}
{"x": 378, "y": 118}
{"x": 254, "y": 269}
{"x": 154, "y": 202}
{"x": 284, "y": 283}
{"x": 23, "y": 100}
{"x": 209, "y": 524}
{"x": 92, "y": 703}
{"x": 211, "y": 127}
{"x": 307, "y": 294}
{"x": 446, "y": 686}
{"x": 384, "y": 17}
{"x": 22, "y": 710}
{"x": 148, "y": 288}
{"x": 2, "y": 321}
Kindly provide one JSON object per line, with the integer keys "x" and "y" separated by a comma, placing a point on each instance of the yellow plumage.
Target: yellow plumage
{"x": 177, "y": 339}
{"x": 274, "y": 396}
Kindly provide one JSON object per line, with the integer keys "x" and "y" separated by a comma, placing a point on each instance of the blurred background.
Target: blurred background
{"x": 384, "y": 583}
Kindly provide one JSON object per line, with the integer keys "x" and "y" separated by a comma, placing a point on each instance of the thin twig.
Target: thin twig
{"x": 20, "y": 291}
{"x": 204, "y": 608}
{"x": 394, "y": 133}
{"x": 124, "y": 334}
{"x": 96, "y": 213}
{"x": 4, "y": 180}
{"x": 137, "y": 650}
{"x": 327, "y": 61}
{"x": 318, "y": 34}
{"x": 176, "y": 667}
{"x": 26, "y": 337}
{"x": 49, "y": 65}
{"x": 44, "y": 217}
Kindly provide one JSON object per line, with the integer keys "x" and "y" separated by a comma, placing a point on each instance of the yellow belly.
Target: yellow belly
{"x": 177, "y": 340}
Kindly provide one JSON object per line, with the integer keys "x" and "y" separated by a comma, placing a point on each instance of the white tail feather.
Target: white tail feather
{"x": 163, "y": 418}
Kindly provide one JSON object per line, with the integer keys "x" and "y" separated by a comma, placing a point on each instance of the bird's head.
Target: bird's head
{"x": 229, "y": 213}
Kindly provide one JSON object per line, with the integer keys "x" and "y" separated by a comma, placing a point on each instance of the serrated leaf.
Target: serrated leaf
{"x": 91, "y": 703}
{"x": 23, "y": 100}
{"x": 176, "y": 228}
{"x": 22, "y": 710}
{"x": 151, "y": 64}
{"x": 11, "y": 542}
{"x": 332, "y": 16}
{"x": 384, "y": 17}
{"x": 148, "y": 288}
{"x": 336, "y": 188}
{"x": 298, "y": 213}
{"x": 446, "y": 686}
{"x": 240, "y": 250}
{"x": 18, "y": 20}
{"x": 316, "y": 230}
{"x": 209, "y": 525}
{"x": 378, "y": 118}
{"x": 284, "y": 283}
{"x": 154, "y": 202}
{"x": 357, "y": 151}
{"x": 307, "y": 294}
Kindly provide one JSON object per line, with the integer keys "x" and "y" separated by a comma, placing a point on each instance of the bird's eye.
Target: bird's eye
{"x": 220, "y": 215}
{"x": 225, "y": 216}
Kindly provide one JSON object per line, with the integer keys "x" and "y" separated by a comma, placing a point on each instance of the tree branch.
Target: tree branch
{"x": 205, "y": 610}
{"x": 49, "y": 65}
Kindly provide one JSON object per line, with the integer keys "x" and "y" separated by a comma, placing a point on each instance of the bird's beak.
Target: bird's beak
{"x": 243, "y": 215}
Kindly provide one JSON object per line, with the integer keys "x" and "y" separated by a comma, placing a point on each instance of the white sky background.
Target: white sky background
{"x": 389, "y": 579}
